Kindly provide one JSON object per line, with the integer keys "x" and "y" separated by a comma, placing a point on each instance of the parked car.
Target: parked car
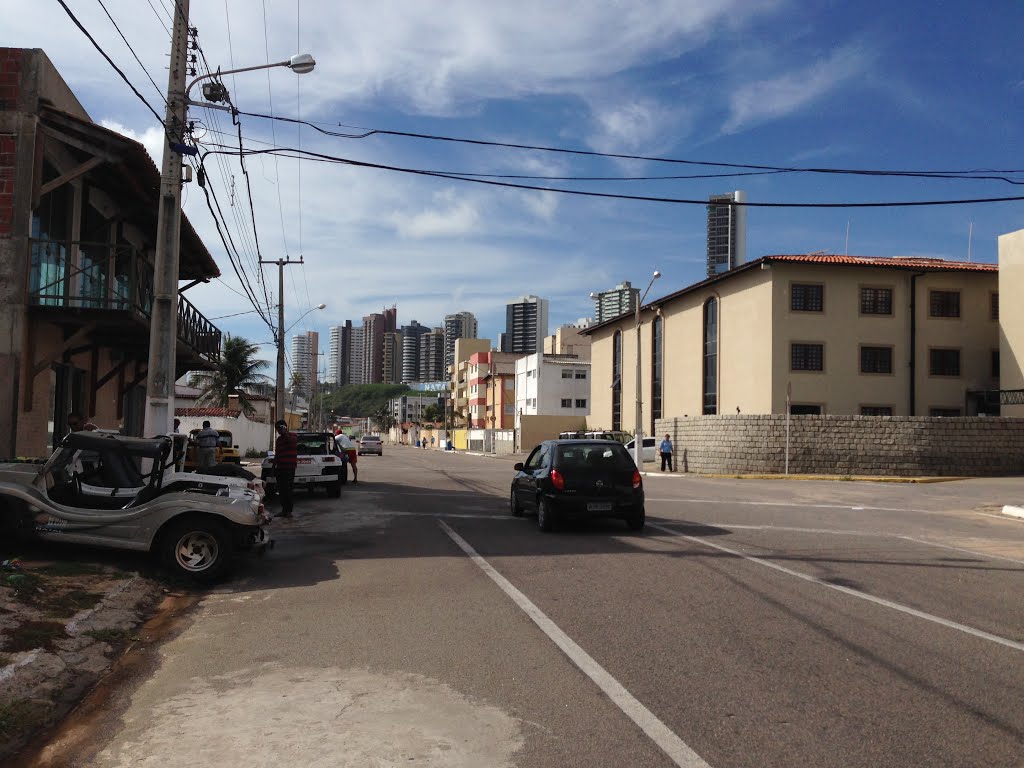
{"x": 320, "y": 464}
{"x": 565, "y": 479}
{"x": 648, "y": 451}
{"x": 93, "y": 491}
{"x": 371, "y": 444}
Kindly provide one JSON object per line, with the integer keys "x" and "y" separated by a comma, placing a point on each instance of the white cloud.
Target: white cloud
{"x": 152, "y": 138}
{"x": 770, "y": 99}
{"x": 450, "y": 217}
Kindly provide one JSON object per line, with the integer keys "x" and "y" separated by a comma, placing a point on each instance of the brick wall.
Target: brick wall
{"x": 848, "y": 445}
{"x": 10, "y": 79}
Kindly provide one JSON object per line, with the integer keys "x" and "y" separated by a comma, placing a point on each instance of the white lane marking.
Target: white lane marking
{"x": 677, "y": 750}
{"x": 852, "y": 592}
{"x": 866, "y": 534}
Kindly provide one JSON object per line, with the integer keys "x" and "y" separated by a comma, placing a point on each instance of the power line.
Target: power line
{"x": 611, "y": 155}
{"x": 143, "y": 66}
{"x": 296, "y": 153}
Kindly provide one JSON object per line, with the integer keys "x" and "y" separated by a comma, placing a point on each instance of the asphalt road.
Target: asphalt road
{"x": 754, "y": 623}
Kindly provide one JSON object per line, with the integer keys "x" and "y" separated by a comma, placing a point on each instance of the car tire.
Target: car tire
{"x": 334, "y": 489}
{"x": 545, "y": 515}
{"x": 514, "y": 505}
{"x": 636, "y": 520}
{"x": 198, "y": 549}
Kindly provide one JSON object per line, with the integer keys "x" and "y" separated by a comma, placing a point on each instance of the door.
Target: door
{"x": 528, "y": 481}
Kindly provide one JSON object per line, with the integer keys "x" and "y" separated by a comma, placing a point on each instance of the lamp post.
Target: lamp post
{"x": 163, "y": 331}
{"x": 638, "y": 438}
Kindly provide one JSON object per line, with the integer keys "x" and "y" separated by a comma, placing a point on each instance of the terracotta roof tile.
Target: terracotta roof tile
{"x": 886, "y": 261}
{"x": 230, "y": 413}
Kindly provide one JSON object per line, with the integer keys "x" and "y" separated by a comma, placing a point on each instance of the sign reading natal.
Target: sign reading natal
{"x": 430, "y": 386}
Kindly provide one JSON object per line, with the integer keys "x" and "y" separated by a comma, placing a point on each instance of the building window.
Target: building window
{"x": 876, "y": 359}
{"x": 581, "y": 375}
{"x": 944, "y": 303}
{"x": 567, "y": 373}
{"x": 617, "y": 380}
{"x": 581, "y": 403}
{"x": 656, "y": 369}
{"x": 805, "y": 409}
{"x": 944, "y": 362}
{"x": 944, "y": 412}
{"x": 806, "y": 297}
{"x": 995, "y": 363}
{"x": 876, "y": 410}
{"x": 876, "y": 301}
{"x": 993, "y": 307}
{"x": 567, "y": 402}
{"x": 711, "y": 356}
{"x": 807, "y": 357}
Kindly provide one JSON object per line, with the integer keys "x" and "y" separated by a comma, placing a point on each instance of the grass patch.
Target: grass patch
{"x": 69, "y": 568}
{"x": 19, "y": 716}
{"x": 34, "y": 634}
{"x": 70, "y": 603}
{"x": 111, "y": 635}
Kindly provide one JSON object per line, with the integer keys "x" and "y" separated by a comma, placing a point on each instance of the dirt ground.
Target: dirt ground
{"x": 62, "y": 625}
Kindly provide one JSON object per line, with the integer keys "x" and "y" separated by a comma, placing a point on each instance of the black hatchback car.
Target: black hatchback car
{"x": 572, "y": 479}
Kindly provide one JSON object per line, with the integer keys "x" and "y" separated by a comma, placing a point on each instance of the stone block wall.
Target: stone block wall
{"x": 848, "y": 445}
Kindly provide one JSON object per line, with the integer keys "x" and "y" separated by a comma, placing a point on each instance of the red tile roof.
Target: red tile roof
{"x": 911, "y": 262}
{"x": 230, "y": 413}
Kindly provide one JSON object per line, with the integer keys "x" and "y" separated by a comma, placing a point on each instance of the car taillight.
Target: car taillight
{"x": 328, "y": 458}
{"x": 557, "y": 480}
{"x": 637, "y": 480}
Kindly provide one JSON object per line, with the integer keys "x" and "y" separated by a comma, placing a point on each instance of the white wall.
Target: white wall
{"x": 246, "y": 434}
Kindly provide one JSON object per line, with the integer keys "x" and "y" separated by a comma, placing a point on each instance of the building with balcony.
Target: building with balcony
{"x": 618, "y": 301}
{"x": 339, "y": 358}
{"x": 411, "y": 336}
{"x": 727, "y": 233}
{"x": 432, "y": 356}
{"x": 78, "y": 217}
{"x": 305, "y": 356}
{"x": 552, "y": 385}
{"x": 459, "y": 376}
{"x": 461, "y": 325}
{"x": 491, "y": 384}
{"x": 526, "y": 325}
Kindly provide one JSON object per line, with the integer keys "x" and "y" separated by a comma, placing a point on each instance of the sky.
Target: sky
{"x": 913, "y": 85}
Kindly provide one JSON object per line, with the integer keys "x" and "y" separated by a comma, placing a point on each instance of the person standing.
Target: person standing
{"x": 177, "y": 426}
{"x": 351, "y": 454}
{"x": 206, "y": 442}
{"x": 286, "y": 457}
{"x": 666, "y": 454}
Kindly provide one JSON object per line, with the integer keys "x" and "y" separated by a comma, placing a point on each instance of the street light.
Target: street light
{"x": 163, "y": 331}
{"x": 638, "y": 439}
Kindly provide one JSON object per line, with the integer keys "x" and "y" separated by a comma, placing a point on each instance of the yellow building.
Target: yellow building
{"x": 838, "y": 334}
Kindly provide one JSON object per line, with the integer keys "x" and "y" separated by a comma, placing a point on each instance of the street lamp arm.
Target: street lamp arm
{"x": 300, "y": 64}
{"x": 311, "y": 309}
{"x": 638, "y": 432}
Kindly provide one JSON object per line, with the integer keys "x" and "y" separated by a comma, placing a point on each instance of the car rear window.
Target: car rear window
{"x": 371, "y": 439}
{"x": 603, "y": 456}
{"x": 313, "y": 445}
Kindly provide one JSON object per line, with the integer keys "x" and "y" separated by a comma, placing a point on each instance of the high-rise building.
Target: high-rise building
{"x": 461, "y": 325}
{"x": 618, "y": 301}
{"x": 432, "y": 356}
{"x": 391, "y": 371}
{"x": 727, "y": 232}
{"x": 339, "y": 360}
{"x": 375, "y": 326}
{"x": 304, "y": 362}
{"x": 411, "y": 336}
{"x": 356, "y": 356}
{"x": 526, "y": 325}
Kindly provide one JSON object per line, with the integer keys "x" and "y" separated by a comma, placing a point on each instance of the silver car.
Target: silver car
{"x": 371, "y": 444}
{"x": 121, "y": 492}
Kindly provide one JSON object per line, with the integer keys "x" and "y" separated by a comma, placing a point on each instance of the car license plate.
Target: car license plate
{"x": 599, "y": 506}
{"x": 305, "y": 461}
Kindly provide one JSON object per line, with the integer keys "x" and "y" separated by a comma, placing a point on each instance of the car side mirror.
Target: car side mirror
{"x": 518, "y": 466}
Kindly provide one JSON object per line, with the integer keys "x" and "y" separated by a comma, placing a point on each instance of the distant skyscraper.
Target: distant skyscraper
{"x": 340, "y": 355}
{"x": 461, "y": 325}
{"x": 618, "y": 301}
{"x": 432, "y": 356}
{"x": 375, "y": 326}
{"x": 526, "y": 325}
{"x": 355, "y": 366}
{"x": 391, "y": 371}
{"x": 727, "y": 232}
{"x": 411, "y": 336}
{"x": 304, "y": 361}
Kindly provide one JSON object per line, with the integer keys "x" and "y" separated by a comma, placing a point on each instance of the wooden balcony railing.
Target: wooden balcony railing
{"x": 102, "y": 276}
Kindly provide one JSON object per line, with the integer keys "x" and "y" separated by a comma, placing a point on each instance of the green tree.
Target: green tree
{"x": 433, "y": 413}
{"x": 237, "y": 373}
{"x": 384, "y": 418}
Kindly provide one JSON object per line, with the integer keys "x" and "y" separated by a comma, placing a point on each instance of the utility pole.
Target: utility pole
{"x": 281, "y": 264}
{"x": 163, "y": 329}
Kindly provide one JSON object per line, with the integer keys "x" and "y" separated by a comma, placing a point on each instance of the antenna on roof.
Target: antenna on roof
{"x": 846, "y": 250}
{"x": 818, "y": 253}
{"x": 970, "y": 238}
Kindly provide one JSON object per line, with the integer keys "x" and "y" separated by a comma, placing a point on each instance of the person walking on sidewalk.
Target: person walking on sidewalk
{"x": 286, "y": 457}
{"x": 666, "y": 454}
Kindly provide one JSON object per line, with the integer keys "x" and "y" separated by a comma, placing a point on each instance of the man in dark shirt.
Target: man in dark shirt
{"x": 285, "y": 459}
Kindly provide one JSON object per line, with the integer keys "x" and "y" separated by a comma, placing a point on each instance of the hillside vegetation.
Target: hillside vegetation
{"x": 361, "y": 400}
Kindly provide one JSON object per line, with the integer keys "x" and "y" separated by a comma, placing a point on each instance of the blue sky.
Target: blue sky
{"x": 868, "y": 85}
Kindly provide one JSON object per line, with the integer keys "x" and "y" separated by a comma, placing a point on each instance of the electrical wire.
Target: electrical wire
{"x": 294, "y": 153}
{"x": 135, "y": 55}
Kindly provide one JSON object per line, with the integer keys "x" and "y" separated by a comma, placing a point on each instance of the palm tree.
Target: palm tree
{"x": 237, "y": 373}
{"x": 384, "y": 418}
